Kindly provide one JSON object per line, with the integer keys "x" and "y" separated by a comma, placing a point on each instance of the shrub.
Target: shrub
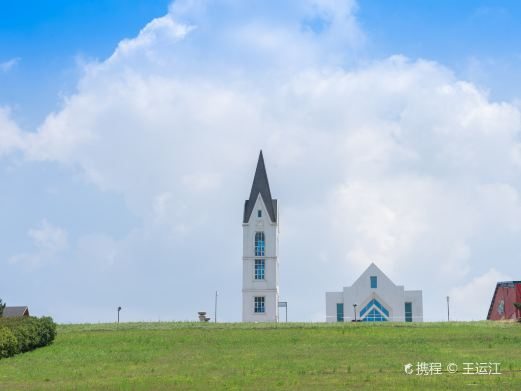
{"x": 46, "y": 330}
{"x": 25, "y": 333}
{"x": 8, "y": 343}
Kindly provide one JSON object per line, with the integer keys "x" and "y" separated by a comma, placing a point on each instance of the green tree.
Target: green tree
{"x": 2, "y": 306}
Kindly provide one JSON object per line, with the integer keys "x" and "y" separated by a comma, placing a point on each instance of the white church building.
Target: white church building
{"x": 373, "y": 297}
{"x": 260, "y": 265}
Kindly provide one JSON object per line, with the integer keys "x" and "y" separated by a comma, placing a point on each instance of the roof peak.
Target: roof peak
{"x": 260, "y": 186}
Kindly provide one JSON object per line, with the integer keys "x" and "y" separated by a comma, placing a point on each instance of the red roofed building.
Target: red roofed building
{"x": 502, "y": 306}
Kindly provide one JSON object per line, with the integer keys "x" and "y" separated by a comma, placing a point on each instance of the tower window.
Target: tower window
{"x": 374, "y": 282}
{"x": 259, "y": 244}
{"x": 259, "y": 304}
{"x": 259, "y": 213}
{"x": 259, "y": 269}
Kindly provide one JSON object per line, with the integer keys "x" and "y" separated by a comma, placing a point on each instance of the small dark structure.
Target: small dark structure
{"x": 502, "y": 306}
{"x": 203, "y": 317}
{"x": 14, "y": 312}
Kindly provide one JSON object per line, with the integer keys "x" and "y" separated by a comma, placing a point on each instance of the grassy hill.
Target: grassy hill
{"x": 266, "y": 356}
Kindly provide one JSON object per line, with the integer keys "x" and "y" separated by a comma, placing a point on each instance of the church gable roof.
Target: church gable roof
{"x": 260, "y": 186}
{"x": 372, "y": 270}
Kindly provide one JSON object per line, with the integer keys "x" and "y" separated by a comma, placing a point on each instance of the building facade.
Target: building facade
{"x": 506, "y": 295}
{"x": 260, "y": 225}
{"x": 373, "y": 297}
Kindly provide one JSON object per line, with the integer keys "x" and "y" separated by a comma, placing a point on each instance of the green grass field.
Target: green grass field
{"x": 155, "y": 356}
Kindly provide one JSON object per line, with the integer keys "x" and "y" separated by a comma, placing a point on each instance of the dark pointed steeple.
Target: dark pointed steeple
{"x": 260, "y": 186}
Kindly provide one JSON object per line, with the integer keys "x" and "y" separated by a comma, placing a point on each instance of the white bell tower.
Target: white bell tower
{"x": 260, "y": 265}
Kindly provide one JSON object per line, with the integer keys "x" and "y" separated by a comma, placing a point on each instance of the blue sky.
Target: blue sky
{"x": 121, "y": 151}
{"x": 477, "y": 39}
{"x": 50, "y": 38}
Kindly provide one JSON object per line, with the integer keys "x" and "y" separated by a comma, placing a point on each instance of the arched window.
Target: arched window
{"x": 259, "y": 244}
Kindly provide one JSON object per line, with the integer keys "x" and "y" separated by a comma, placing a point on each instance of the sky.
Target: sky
{"x": 129, "y": 135}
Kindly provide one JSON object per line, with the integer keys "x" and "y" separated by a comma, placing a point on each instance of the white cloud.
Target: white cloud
{"x": 158, "y": 30}
{"x": 471, "y": 301}
{"x": 396, "y": 161}
{"x": 49, "y": 237}
{"x": 48, "y": 240}
{"x": 11, "y": 137}
{"x": 6, "y": 66}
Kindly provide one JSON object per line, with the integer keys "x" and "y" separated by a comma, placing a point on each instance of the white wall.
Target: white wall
{"x": 415, "y": 297}
{"x": 332, "y": 298}
{"x": 269, "y": 287}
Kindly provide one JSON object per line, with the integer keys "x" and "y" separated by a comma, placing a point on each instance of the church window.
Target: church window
{"x": 259, "y": 269}
{"x": 259, "y": 304}
{"x": 259, "y": 213}
{"x": 339, "y": 312}
{"x": 374, "y": 303}
{"x": 408, "y": 312}
{"x": 259, "y": 244}
{"x": 374, "y": 316}
{"x": 374, "y": 282}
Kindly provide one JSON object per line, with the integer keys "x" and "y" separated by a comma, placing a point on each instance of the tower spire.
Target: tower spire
{"x": 260, "y": 186}
{"x": 260, "y": 261}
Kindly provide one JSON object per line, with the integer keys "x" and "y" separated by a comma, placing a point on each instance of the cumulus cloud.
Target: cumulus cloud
{"x": 396, "y": 161}
{"x": 48, "y": 240}
{"x": 11, "y": 136}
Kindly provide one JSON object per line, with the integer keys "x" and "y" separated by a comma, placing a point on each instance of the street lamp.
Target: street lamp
{"x": 119, "y": 309}
{"x": 354, "y": 309}
{"x": 448, "y": 313}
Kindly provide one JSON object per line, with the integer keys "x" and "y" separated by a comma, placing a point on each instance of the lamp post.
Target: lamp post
{"x": 448, "y": 312}
{"x": 354, "y": 309}
{"x": 215, "y": 311}
{"x": 119, "y": 309}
